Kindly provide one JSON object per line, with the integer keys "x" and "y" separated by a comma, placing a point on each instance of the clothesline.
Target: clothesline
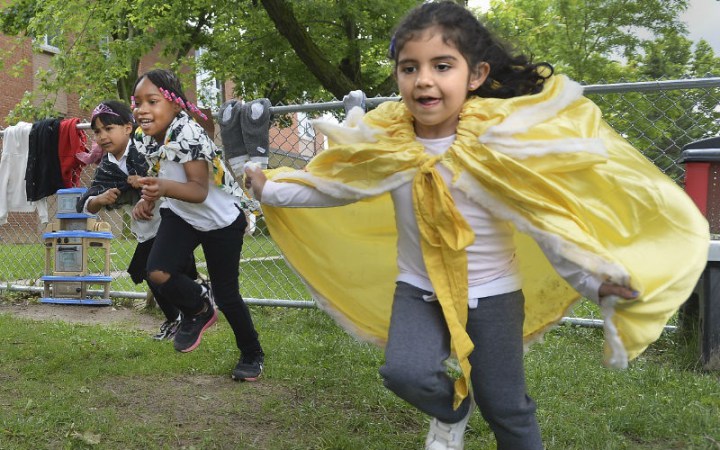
{"x": 287, "y": 109}
{"x": 80, "y": 126}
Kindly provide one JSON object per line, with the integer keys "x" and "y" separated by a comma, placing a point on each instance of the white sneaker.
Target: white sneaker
{"x": 448, "y": 436}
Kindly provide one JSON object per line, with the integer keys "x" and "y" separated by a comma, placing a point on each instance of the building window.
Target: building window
{"x": 46, "y": 43}
{"x": 306, "y": 133}
{"x": 305, "y": 128}
{"x": 209, "y": 89}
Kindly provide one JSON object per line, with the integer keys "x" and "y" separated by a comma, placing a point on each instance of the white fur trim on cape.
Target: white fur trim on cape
{"x": 500, "y": 137}
{"x": 526, "y": 149}
{"x": 526, "y": 117}
{"x": 618, "y": 358}
{"x": 352, "y": 131}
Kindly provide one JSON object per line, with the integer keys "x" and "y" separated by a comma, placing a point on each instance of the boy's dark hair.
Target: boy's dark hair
{"x": 166, "y": 79}
{"x": 510, "y": 75}
{"x": 124, "y": 115}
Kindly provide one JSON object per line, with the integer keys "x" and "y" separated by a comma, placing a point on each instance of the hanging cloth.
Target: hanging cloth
{"x": 13, "y": 196}
{"x": 42, "y": 175}
{"x": 71, "y": 141}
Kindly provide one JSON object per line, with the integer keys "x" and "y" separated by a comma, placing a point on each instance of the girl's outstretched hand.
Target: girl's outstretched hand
{"x": 108, "y": 197}
{"x": 134, "y": 181}
{"x": 143, "y": 210}
{"x": 618, "y": 290}
{"x": 254, "y": 179}
{"x": 152, "y": 188}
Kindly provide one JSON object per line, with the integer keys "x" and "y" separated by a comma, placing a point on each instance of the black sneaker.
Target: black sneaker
{"x": 249, "y": 368}
{"x": 191, "y": 328}
{"x": 168, "y": 329}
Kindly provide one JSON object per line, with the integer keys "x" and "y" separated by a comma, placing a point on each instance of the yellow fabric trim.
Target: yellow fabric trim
{"x": 444, "y": 236}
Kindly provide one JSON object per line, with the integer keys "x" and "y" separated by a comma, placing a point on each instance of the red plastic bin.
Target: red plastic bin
{"x": 702, "y": 178}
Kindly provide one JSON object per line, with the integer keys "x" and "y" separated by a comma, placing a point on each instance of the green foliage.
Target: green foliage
{"x": 617, "y": 41}
{"x": 350, "y": 38}
{"x": 101, "y": 44}
{"x": 30, "y": 110}
{"x": 15, "y": 17}
{"x": 316, "y": 50}
{"x": 587, "y": 40}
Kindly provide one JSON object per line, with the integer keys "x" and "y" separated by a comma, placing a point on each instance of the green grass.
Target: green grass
{"x": 65, "y": 386}
{"x": 22, "y": 261}
{"x": 663, "y": 401}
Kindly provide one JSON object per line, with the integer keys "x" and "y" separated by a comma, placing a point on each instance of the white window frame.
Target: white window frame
{"x": 304, "y": 127}
{"x": 46, "y": 46}
{"x": 207, "y": 87}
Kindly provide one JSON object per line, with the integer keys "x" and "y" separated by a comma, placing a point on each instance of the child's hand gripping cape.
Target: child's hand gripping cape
{"x": 548, "y": 163}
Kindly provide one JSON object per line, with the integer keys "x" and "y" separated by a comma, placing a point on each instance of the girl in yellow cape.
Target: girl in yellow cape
{"x": 494, "y": 197}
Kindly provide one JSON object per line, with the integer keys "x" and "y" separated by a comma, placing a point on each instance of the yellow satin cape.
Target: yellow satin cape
{"x": 573, "y": 189}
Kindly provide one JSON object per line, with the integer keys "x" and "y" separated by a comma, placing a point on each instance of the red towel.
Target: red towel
{"x": 70, "y": 142}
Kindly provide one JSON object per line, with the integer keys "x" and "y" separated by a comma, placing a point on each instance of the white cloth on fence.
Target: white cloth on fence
{"x": 13, "y": 196}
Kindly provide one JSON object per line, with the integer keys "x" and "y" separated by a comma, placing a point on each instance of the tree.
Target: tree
{"x": 588, "y": 40}
{"x": 282, "y": 50}
{"x": 619, "y": 40}
{"x": 671, "y": 119}
{"x": 316, "y": 50}
{"x": 100, "y": 43}
{"x": 313, "y": 50}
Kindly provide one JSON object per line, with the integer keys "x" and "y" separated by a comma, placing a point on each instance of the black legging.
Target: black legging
{"x": 138, "y": 273}
{"x": 175, "y": 240}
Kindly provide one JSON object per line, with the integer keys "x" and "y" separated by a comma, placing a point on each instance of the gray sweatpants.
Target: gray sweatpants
{"x": 419, "y": 343}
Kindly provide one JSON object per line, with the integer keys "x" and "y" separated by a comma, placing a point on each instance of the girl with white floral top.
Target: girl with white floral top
{"x": 203, "y": 206}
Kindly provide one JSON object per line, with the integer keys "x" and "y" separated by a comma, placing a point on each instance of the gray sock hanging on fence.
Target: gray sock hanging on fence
{"x": 256, "y": 130}
{"x": 231, "y": 131}
{"x": 353, "y": 99}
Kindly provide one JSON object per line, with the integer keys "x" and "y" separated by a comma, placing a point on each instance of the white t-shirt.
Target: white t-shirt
{"x": 219, "y": 209}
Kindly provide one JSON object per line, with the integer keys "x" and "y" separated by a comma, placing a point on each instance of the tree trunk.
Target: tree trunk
{"x": 329, "y": 76}
{"x": 125, "y": 84}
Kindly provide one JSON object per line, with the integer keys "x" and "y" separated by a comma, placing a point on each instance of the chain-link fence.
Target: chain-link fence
{"x": 658, "y": 118}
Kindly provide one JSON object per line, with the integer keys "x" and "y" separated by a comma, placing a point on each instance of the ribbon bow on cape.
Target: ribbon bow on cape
{"x": 573, "y": 189}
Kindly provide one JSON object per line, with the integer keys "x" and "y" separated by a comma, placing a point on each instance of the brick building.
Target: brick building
{"x": 14, "y": 86}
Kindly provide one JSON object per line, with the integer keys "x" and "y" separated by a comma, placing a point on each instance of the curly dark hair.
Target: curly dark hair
{"x": 166, "y": 79}
{"x": 510, "y": 75}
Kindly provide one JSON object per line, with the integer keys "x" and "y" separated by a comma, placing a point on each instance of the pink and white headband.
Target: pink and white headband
{"x": 174, "y": 98}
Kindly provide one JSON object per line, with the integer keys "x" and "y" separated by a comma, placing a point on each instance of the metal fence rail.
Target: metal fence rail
{"x": 658, "y": 118}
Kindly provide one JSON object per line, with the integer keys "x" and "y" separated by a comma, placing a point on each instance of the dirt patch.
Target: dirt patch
{"x": 197, "y": 407}
{"x": 134, "y": 317}
{"x": 204, "y": 411}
